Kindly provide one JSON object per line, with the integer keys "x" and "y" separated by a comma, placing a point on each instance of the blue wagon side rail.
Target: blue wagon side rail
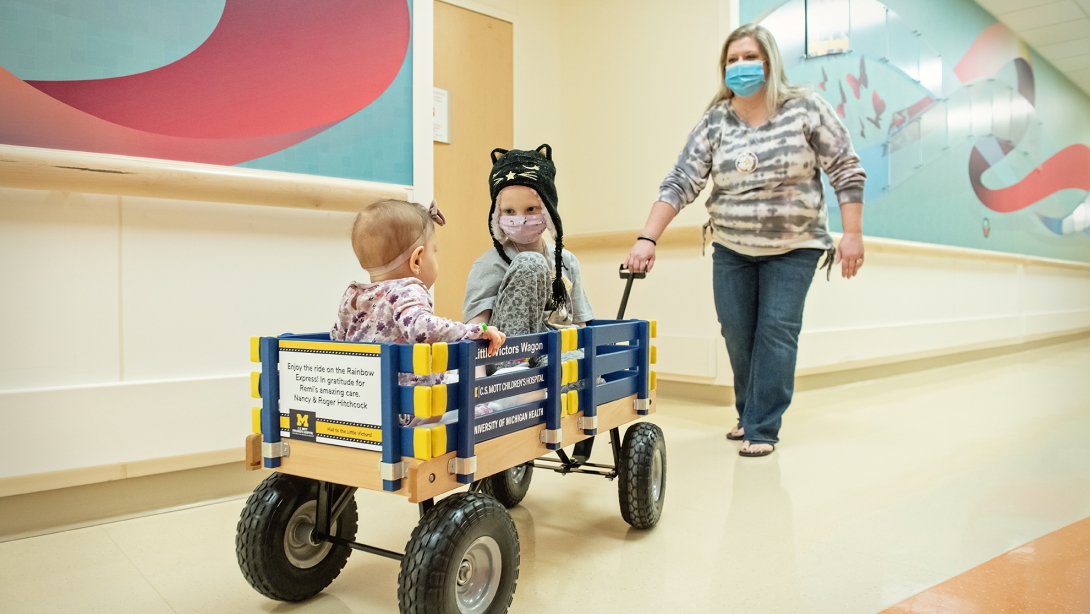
{"x": 406, "y": 453}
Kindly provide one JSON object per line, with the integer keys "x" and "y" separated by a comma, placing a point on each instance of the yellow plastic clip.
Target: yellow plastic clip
{"x": 439, "y": 360}
{"x": 422, "y": 443}
{"x": 573, "y": 402}
{"x": 438, "y": 400}
{"x": 571, "y": 342}
{"x": 652, "y": 380}
{"x": 255, "y": 420}
{"x": 422, "y": 401}
{"x": 563, "y": 404}
{"x": 654, "y": 354}
{"x": 255, "y": 349}
{"x": 284, "y": 423}
{"x": 438, "y": 440}
{"x": 565, "y": 373}
{"x": 654, "y": 328}
{"x": 255, "y": 384}
{"x": 422, "y": 359}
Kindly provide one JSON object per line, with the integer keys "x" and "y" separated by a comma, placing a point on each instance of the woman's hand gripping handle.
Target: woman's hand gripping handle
{"x": 641, "y": 258}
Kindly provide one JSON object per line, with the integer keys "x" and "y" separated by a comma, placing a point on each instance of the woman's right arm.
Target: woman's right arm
{"x": 642, "y": 255}
{"x": 678, "y": 189}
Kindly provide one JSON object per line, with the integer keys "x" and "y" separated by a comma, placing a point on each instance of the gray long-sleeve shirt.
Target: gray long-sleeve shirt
{"x": 779, "y": 206}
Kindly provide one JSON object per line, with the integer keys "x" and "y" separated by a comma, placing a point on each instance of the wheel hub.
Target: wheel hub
{"x": 465, "y": 572}
{"x": 656, "y": 475}
{"x": 518, "y": 473}
{"x": 299, "y": 545}
{"x": 478, "y": 575}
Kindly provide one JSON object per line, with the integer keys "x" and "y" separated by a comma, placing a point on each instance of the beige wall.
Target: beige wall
{"x": 637, "y": 77}
{"x": 616, "y": 86}
{"x": 125, "y": 319}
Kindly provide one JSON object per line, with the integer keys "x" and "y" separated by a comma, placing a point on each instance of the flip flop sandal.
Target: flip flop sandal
{"x": 754, "y": 454}
{"x": 731, "y": 436}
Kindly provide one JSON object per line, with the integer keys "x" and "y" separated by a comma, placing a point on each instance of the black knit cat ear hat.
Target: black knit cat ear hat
{"x": 535, "y": 170}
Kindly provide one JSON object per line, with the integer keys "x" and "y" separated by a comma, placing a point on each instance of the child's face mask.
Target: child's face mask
{"x": 523, "y": 229}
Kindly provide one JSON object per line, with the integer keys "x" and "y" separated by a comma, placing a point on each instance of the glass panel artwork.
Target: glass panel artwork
{"x": 828, "y": 27}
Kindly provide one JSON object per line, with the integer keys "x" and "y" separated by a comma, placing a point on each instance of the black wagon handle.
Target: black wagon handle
{"x": 629, "y": 276}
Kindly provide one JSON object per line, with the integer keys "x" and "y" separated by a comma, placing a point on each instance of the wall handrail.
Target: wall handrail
{"x": 690, "y": 236}
{"x": 76, "y": 171}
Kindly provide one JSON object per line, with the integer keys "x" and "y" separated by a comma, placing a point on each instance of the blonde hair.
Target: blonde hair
{"x": 777, "y": 89}
{"x": 386, "y": 229}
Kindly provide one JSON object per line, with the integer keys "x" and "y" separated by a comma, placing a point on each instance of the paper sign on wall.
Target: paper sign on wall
{"x": 331, "y": 397}
{"x": 440, "y": 115}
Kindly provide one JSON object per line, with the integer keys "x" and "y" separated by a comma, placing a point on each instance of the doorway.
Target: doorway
{"x": 474, "y": 63}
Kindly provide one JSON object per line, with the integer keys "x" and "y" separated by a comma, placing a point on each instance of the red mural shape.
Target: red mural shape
{"x": 1069, "y": 168}
{"x": 271, "y": 74}
{"x": 269, "y": 67}
{"x": 861, "y": 81}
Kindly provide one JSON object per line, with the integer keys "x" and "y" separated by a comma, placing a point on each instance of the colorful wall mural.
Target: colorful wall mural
{"x": 323, "y": 88}
{"x": 969, "y": 138}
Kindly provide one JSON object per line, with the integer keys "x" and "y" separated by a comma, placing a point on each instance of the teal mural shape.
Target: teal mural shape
{"x": 62, "y": 60}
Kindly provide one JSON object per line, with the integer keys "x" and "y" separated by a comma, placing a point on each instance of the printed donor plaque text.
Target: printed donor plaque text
{"x": 335, "y": 396}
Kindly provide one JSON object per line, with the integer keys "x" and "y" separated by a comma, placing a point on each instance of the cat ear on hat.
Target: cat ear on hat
{"x": 545, "y": 150}
{"x": 497, "y": 154}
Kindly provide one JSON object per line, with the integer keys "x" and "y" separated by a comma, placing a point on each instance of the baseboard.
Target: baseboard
{"x": 63, "y": 509}
{"x": 714, "y": 394}
{"x": 52, "y": 480}
{"x": 863, "y": 373}
{"x": 710, "y": 394}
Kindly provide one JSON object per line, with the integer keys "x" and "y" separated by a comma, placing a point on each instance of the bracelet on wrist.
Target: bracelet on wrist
{"x": 647, "y": 238}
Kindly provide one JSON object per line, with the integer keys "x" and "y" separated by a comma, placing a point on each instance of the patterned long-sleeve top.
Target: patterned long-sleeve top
{"x": 396, "y": 311}
{"x": 779, "y": 205}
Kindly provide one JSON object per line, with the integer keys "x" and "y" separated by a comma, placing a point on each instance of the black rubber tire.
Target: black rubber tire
{"x": 427, "y": 583}
{"x": 506, "y": 487}
{"x": 639, "y": 505}
{"x": 260, "y": 546}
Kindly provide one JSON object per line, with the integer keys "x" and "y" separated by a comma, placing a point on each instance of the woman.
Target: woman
{"x": 764, "y": 142}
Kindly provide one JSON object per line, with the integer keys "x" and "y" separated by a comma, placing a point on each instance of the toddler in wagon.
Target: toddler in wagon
{"x": 395, "y": 243}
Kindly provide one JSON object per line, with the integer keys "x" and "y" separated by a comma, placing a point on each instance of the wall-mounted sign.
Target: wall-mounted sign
{"x": 440, "y": 115}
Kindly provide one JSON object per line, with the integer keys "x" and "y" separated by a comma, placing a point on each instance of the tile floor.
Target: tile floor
{"x": 878, "y": 491}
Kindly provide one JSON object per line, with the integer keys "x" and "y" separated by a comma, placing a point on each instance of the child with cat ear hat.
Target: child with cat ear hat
{"x": 528, "y": 282}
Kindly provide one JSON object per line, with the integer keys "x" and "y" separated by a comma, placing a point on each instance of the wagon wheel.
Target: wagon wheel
{"x": 463, "y": 558}
{"x": 509, "y": 487}
{"x": 273, "y": 540}
{"x": 641, "y": 472}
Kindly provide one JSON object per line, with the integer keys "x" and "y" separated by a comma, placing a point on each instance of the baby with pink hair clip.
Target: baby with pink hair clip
{"x": 395, "y": 243}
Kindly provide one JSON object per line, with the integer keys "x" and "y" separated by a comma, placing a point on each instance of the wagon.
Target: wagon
{"x": 337, "y": 416}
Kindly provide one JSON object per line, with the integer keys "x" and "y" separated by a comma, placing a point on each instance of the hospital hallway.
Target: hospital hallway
{"x": 963, "y": 488}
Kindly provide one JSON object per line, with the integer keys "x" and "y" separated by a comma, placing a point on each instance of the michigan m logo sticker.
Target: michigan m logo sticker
{"x": 302, "y": 424}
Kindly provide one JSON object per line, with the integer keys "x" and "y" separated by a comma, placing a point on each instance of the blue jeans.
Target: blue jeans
{"x": 759, "y": 301}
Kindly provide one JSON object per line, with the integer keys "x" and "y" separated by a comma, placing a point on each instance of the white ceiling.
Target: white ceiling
{"x": 1058, "y": 30}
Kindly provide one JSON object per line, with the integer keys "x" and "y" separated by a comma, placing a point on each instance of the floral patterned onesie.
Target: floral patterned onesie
{"x": 398, "y": 311}
{"x": 395, "y": 311}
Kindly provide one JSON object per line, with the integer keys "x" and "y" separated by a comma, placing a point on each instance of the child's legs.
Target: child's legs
{"x": 520, "y": 303}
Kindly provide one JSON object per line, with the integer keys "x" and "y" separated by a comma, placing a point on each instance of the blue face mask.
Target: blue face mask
{"x": 745, "y": 78}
